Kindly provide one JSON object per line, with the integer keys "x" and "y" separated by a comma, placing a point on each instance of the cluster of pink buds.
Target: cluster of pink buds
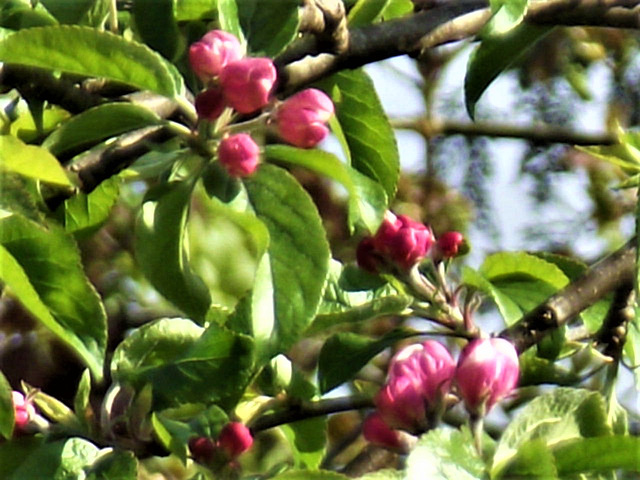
{"x": 234, "y": 439}
{"x": 23, "y": 411}
{"x": 401, "y": 242}
{"x": 246, "y": 85}
{"x": 422, "y": 375}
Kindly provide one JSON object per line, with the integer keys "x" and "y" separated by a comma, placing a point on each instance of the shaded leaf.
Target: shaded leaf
{"x": 228, "y": 18}
{"x": 156, "y": 24}
{"x": 507, "y": 14}
{"x": 116, "y": 465}
{"x": 598, "y": 454}
{"x": 365, "y": 12}
{"x": 6, "y": 406}
{"x": 310, "y": 475}
{"x": 308, "y": 439}
{"x": 269, "y": 29}
{"x": 87, "y": 211}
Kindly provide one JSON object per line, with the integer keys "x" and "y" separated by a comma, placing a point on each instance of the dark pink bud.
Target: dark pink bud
{"x": 210, "y": 104}
{"x": 235, "y": 438}
{"x": 419, "y": 378}
{"x": 450, "y": 244}
{"x": 487, "y": 371}
{"x": 239, "y": 154}
{"x": 367, "y": 256}
{"x": 376, "y": 431}
{"x": 402, "y": 240}
{"x": 247, "y": 83}
{"x": 202, "y": 449}
{"x": 302, "y": 118}
{"x": 23, "y": 410}
{"x": 212, "y": 52}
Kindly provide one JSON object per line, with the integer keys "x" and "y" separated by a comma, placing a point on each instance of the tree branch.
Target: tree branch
{"x": 430, "y": 128}
{"x": 609, "y": 274}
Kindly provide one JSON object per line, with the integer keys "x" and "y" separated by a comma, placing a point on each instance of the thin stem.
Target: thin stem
{"x": 113, "y": 16}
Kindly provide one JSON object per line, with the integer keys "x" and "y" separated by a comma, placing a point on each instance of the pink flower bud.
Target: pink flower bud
{"x": 367, "y": 257}
{"x": 487, "y": 371}
{"x": 403, "y": 240}
{"x": 376, "y": 431}
{"x": 23, "y": 410}
{"x": 450, "y": 244}
{"x": 202, "y": 449}
{"x": 235, "y": 438}
{"x": 302, "y": 118}
{"x": 212, "y": 52}
{"x": 239, "y": 154}
{"x": 419, "y": 378}
{"x": 210, "y": 104}
{"x": 247, "y": 83}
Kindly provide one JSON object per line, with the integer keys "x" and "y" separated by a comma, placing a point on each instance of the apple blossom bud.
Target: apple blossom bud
{"x": 23, "y": 410}
{"x": 239, "y": 154}
{"x": 302, "y": 118}
{"x": 403, "y": 240}
{"x": 367, "y": 257}
{"x": 376, "y": 431}
{"x": 212, "y": 52}
{"x": 247, "y": 83}
{"x": 210, "y": 104}
{"x": 487, "y": 371}
{"x": 235, "y": 438}
{"x": 450, "y": 244}
{"x": 202, "y": 449}
{"x": 419, "y": 378}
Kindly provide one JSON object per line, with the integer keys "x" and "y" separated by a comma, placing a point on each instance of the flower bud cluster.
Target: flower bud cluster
{"x": 422, "y": 375}
{"x": 234, "y": 439}
{"x": 246, "y": 84}
{"x": 401, "y": 242}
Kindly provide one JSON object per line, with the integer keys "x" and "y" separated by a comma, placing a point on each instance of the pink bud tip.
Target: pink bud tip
{"x": 23, "y": 410}
{"x": 202, "y": 449}
{"x": 450, "y": 244}
{"x": 403, "y": 241}
{"x": 210, "y": 104}
{"x": 239, "y": 154}
{"x": 302, "y": 118}
{"x": 235, "y": 438}
{"x": 376, "y": 431}
{"x": 212, "y": 52}
{"x": 247, "y": 83}
{"x": 487, "y": 371}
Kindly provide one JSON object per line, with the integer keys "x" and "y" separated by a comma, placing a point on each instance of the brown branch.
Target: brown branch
{"x": 430, "y": 128}
{"x": 611, "y": 273}
{"x": 613, "y": 332}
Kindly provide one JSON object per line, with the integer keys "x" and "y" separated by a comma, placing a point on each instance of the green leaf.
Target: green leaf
{"x": 507, "y": 14}
{"x": 445, "y": 454}
{"x": 85, "y": 212}
{"x": 344, "y": 354}
{"x": 42, "y": 268}
{"x": 298, "y": 253}
{"x": 495, "y": 55}
{"x": 19, "y": 14}
{"x": 397, "y": 8}
{"x": 532, "y": 460}
{"x": 185, "y": 363}
{"x": 308, "y": 439}
{"x": 69, "y": 12}
{"x": 97, "y": 124}
{"x": 156, "y": 24}
{"x": 340, "y": 306}
{"x": 632, "y": 346}
{"x": 60, "y": 460}
{"x": 30, "y": 161}
{"x": 368, "y": 133}
{"x": 599, "y": 454}
{"x": 187, "y": 10}
{"x": 91, "y": 52}
{"x": 367, "y": 199}
{"x": 161, "y": 252}
{"x": 81, "y": 404}
{"x": 115, "y": 465}
{"x": 6, "y": 405}
{"x": 537, "y": 371}
{"x": 310, "y": 475}
{"x": 555, "y": 417}
{"x": 365, "y": 12}
{"x": 269, "y": 29}
{"x": 228, "y": 18}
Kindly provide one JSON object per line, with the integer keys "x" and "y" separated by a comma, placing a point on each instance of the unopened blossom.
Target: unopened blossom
{"x": 403, "y": 240}
{"x": 247, "y": 83}
{"x": 450, "y": 244}
{"x": 419, "y": 378}
{"x": 376, "y": 431}
{"x": 210, "y": 103}
{"x": 203, "y": 449}
{"x": 487, "y": 371}
{"x": 239, "y": 154}
{"x": 235, "y": 438}
{"x": 302, "y": 118}
{"x": 368, "y": 257}
{"x": 212, "y": 52}
{"x": 23, "y": 410}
